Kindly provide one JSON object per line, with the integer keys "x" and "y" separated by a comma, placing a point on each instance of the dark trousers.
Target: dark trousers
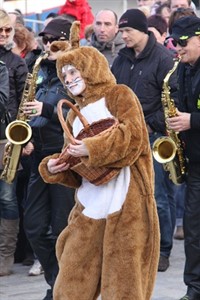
{"x": 47, "y": 209}
{"x": 192, "y": 229}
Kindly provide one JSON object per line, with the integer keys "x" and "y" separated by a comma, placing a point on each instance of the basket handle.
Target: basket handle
{"x": 83, "y": 120}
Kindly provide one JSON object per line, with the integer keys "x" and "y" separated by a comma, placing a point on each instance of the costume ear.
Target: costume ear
{"x": 60, "y": 46}
{"x": 74, "y": 35}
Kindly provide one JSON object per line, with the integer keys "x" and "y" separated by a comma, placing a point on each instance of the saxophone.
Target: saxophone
{"x": 168, "y": 150}
{"x": 19, "y": 131}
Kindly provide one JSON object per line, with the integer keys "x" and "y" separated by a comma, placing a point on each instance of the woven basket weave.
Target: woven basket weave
{"x": 97, "y": 176}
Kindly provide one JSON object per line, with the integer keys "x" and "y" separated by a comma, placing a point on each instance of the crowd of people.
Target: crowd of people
{"x": 88, "y": 239}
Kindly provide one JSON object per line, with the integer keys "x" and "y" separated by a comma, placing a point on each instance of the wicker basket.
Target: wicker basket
{"x": 97, "y": 176}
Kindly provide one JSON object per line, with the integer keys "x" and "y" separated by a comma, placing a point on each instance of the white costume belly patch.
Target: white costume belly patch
{"x": 99, "y": 201}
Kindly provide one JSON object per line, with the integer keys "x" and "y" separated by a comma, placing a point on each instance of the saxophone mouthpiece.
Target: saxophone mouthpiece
{"x": 178, "y": 57}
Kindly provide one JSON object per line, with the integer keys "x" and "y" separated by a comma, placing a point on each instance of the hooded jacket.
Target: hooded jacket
{"x": 110, "y": 49}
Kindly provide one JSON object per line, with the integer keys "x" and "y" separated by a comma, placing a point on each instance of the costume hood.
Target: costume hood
{"x": 93, "y": 66}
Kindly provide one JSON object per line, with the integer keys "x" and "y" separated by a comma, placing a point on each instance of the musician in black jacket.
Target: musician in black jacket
{"x": 47, "y": 206}
{"x": 186, "y": 34}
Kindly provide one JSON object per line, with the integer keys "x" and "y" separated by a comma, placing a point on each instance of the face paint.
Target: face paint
{"x": 76, "y": 87}
{"x": 73, "y": 80}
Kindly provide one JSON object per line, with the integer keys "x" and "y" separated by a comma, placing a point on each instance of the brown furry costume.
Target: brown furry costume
{"x": 115, "y": 255}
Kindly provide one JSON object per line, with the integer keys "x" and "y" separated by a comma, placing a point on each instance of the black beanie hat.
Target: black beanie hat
{"x": 134, "y": 18}
{"x": 58, "y": 27}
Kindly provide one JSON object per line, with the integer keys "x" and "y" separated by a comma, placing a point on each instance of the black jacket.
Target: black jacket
{"x": 144, "y": 75}
{"x": 47, "y": 131}
{"x": 4, "y": 89}
{"x": 17, "y": 75}
{"x": 189, "y": 101}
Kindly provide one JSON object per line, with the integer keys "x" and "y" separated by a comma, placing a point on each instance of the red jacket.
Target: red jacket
{"x": 81, "y": 10}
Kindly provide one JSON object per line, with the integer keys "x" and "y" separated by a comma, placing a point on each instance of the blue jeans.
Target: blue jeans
{"x": 8, "y": 200}
{"x": 180, "y": 199}
{"x": 166, "y": 205}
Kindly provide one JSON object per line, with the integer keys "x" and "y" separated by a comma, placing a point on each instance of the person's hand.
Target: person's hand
{"x": 54, "y": 166}
{"x": 78, "y": 150}
{"x": 28, "y": 149}
{"x": 179, "y": 123}
{"x": 33, "y": 108}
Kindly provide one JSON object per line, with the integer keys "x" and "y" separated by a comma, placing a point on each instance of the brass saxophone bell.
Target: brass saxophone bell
{"x": 164, "y": 149}
{"x": 18, "y": 132}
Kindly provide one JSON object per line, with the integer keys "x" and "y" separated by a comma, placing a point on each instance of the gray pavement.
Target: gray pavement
{"x": 169, "y": 285}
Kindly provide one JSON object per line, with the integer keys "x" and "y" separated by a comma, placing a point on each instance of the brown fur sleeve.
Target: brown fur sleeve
{"x": 67, "y": 178}
{"x": 124, "y": 144}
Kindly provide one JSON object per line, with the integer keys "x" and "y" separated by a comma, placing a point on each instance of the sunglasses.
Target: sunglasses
{"x": 182, "y": 43}
{"x": 46, "y": 39}
{"x": 5, "y": 29}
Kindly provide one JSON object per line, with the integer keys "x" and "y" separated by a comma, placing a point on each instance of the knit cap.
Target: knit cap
{"x": 134, "y": 18}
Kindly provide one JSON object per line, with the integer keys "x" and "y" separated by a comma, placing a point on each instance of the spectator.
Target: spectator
{"x": 143, "y": 65}
{"x": 106, "y": 37}
{"x": 49, "y": 18}
{"x": 158, "y": 25}
{"x": 148, "y": 3}
{"x": 88, "y": 34}
{"x": 148, "y": 7}
{"x": 80, "y": 10}
{"x": 146, "y": 10}
{"x": 24, "y": 41}
{"x": 174, "y": 4}
{"x": 179, "y": 13}
{"x": 16, "y": 18}
{"x": 164, "y": 11}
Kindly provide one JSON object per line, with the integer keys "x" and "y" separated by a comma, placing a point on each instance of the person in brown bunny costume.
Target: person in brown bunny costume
{"x": 111, "y": 244}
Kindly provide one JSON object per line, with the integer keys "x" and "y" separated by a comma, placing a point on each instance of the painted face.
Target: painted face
{"x": 73, "y": 80}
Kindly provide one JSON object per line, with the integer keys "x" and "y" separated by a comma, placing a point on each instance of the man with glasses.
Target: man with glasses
{"x": 47, "y": 205}
{"x": 186, "y": 35}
